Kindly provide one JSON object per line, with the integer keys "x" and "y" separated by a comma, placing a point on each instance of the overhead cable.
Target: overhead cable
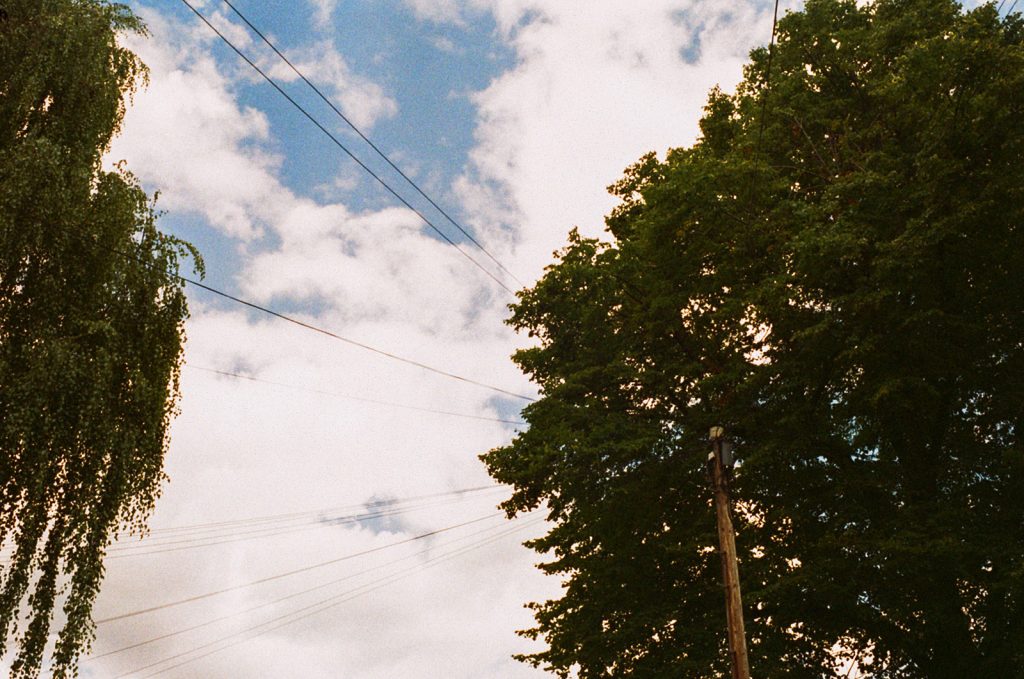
{"x": 350, "y": 576}
{"x": 362, "y": 399}
{"x": 190, "y": 543}
{"x": 328, "y": 333}
{"x": 344, "y": 148}
{"x": 312, "y": 609}
{"x": 218, "y": 533}
{"x": 304, "y": 569}
{"x": 379, "y": 152}
{"x": 368, "y": 505}
{"x": 354, "y": 343}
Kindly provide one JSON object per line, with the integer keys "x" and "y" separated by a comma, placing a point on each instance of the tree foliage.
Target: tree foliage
{"x": 91, "y": 322}
{"x": 841, "y": 284}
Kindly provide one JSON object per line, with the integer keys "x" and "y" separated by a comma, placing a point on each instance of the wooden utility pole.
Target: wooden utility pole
{"x": 727, "y": 548}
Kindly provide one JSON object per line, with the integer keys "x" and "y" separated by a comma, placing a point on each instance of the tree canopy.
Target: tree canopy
{"x": 91, "y": 323}
{"x": 835, "y": 272}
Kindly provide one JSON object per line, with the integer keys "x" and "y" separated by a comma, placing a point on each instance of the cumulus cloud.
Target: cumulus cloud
{"x": 361, "y": 100}
{"x": 187, "y": 134}
{"x": 242, "y": 448}
{"x": 439, "y": 11}
{"x": 592, "y": 88}
{"x": 322, "y": 11}
{"x": 444, "y": 44}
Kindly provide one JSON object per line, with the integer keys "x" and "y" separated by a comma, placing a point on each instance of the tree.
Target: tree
{"x": 835, "y": 272}
{"x": 91, "y": 322}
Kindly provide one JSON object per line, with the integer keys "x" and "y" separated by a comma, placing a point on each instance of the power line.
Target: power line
{"x": 187, "y": 538}
{"x": 290, "y": 515}
{"x": 294, "y": 594}
{"x": 379, "y": 152}
{"x": 313, "y": 609}
{"x": 128, "y": 551}
{"x": 285, "y": 598}
{"x": 332, "y": 602}
{"x": 296, "y": 571}
{"x": 338, "y": 143}
{"x": 190, "y": 543}
{"x": 177, "y": 543}
{"x": 363, "y": 399}
{"x": 354, "y": 343}
{"x": 322, "y": 331}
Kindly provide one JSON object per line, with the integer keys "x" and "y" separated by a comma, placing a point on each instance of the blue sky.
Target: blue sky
{"x": 514, "y": 115}
{"x": 429, "y": 72}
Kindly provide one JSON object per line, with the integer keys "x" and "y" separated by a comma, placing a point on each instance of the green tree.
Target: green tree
{"x": 91, "y": 322}
{"x": 841, "y": 284}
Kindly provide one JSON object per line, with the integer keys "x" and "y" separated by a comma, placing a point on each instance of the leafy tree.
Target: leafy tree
{"x": 841, "y": 284}
{"x": 91, "y": 322}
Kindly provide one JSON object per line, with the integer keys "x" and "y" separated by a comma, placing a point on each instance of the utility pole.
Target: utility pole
{"x": 720, "y": 462}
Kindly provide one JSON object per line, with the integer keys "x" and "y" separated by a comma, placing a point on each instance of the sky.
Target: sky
{"x": 513, "y": 116}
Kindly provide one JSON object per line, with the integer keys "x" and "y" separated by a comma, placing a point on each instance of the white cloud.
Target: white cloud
{"x": 218, "y": 17}
{"x": 186, "y": 134}
{"x": 593, "y": 87}
{"x": 362, "y": 266}
{"x": 241, "y": 449}
{"x": 444, "y": 44}
{"x": 439, "y": 11}
{"x": 246, "y": 449}
{"x": 322, "y": 11}
{"x": 361, "y": 100}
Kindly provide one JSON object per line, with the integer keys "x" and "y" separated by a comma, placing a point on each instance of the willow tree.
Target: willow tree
{"x": 91, "y": 323}
{"x": 834, "y": 272}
